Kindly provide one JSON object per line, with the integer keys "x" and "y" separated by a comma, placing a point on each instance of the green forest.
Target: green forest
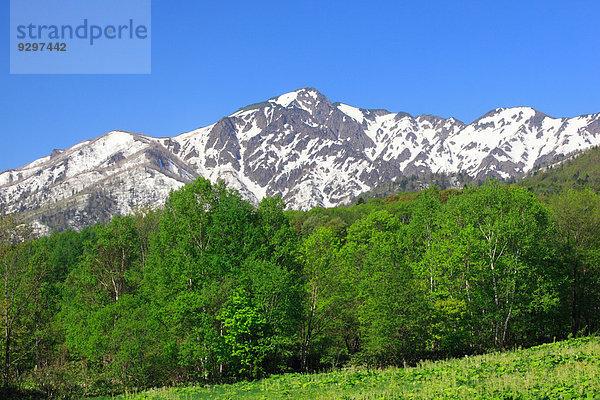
{"x": 212, "y": 289}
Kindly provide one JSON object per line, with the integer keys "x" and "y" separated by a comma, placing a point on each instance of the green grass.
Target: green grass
{"x": 563, "y": 370}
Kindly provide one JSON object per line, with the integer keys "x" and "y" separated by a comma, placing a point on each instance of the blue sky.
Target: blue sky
{"x": 450, "y": 58}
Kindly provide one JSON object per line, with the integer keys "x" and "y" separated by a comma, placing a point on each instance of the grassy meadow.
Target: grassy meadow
{"x": 562, "y": 370}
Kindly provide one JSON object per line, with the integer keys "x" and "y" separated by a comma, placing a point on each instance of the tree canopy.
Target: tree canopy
{"x": 212, "y": 288}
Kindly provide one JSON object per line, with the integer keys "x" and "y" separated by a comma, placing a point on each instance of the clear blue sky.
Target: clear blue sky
{"x": 449, "y": 58}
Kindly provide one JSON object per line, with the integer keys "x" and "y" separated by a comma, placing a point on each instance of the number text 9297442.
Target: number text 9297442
{"x": 42, "y": 46}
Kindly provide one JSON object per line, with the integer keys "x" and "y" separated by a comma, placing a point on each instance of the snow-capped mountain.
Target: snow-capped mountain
{"x": 298, "y": 145}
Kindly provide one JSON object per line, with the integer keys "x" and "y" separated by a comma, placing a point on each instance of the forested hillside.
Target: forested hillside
{"x": 579, "y": 172}
{"x": 212, "y": 289}
{"x": 414, "y": 183}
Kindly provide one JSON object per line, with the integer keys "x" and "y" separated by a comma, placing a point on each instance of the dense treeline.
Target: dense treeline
{"x": 581, "y": 170}
{"x": 213, "y": 289}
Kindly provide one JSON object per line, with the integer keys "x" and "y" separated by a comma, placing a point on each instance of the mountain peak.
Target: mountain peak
{"x": 297, "y": 145}
{"x": 304, "y": 98}
{"x": 300, "y": 96}
{"x": 507, "y": 113}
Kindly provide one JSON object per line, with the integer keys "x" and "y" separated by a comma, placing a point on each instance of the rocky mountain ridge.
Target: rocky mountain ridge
{"x": 299, "y": 145}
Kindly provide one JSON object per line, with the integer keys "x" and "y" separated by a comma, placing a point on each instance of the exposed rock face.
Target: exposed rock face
{"x": 298, "y": 145}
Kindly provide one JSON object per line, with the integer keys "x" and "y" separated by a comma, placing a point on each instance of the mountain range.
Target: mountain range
{"x": 298, "y": 145}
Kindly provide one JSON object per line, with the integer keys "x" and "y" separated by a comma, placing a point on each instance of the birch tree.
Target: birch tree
{"x": 20, "y": 279}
